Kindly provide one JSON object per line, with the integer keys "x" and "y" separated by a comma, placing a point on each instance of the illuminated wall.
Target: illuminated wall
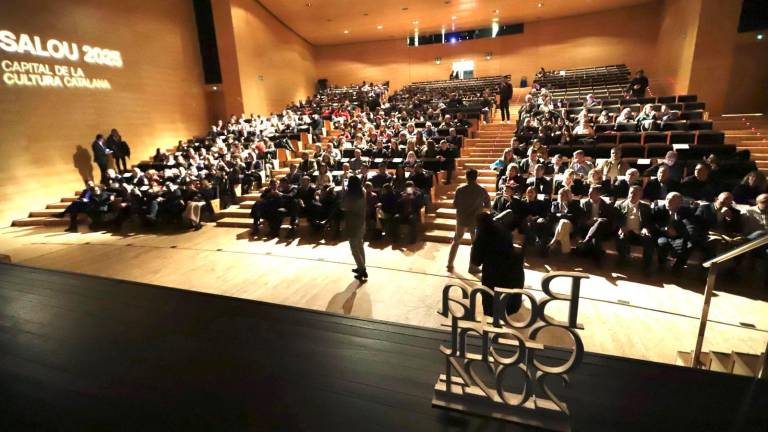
{"x": 154, "y": 98}
{"x": 265, "y": 65}
{"x": 625, "y": 35}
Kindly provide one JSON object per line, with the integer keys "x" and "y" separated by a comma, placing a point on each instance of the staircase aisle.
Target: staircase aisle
{"x": 478, "y": 152}
{"x": 748, "y": 133}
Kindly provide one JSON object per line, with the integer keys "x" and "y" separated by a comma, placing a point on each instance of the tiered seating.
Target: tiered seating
{"x": 440, "y": 91}
{"x": 747, "y": 133}
{"x": 474, "y": 85}
{"x": 602, "y": 81}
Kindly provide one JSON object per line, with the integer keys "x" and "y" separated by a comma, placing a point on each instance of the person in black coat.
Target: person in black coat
{"x": 100, "y": 153}
{"x": 120, "y": 150}
{"x": 638, "y": 85}
{"x": 671, "y": 224}
{"x": 505, "y": 94}
{"x": 718, "y": 226}
{"x": 660, "y": 186}
{"x": 494, "y": 250}
{"x": 447, "y": 159}
{"x": 533, "y": 219}
{"x": 507, "y": 209}
{"x": 699, "y": 186}
{"x": 542, "y": 184}
{"x": 599, "y": 223}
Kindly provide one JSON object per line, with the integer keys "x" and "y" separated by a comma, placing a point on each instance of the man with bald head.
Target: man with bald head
{"x": 718, "y": 226}
{"x": 756, "y": 226}
{"x": 635, "y": 227}
{"x": 672, "y": 220}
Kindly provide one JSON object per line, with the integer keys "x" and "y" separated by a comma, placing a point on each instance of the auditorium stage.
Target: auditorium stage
{"x": 88, "y": 353}
{"x": 624, "y": 312}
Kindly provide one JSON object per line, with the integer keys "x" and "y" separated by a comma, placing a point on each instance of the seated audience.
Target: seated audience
{"x": 751, "y": 186}
{"x": 635, "y": 226}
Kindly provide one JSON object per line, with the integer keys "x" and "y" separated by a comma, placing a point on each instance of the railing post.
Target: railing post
{"x": 708, "y": 290}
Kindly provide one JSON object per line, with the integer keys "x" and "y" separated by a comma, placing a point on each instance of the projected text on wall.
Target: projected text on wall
{"x": 22, "y": 73}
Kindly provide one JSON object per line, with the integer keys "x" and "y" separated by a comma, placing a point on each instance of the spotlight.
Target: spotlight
{"x": 379, "y": 27}
{"x": 453, "y": 39}
{"x": 760, "y": 36}
{"x": 346, "y": 31}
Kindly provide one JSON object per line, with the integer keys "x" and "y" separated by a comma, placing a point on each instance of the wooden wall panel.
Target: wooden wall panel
{"x": 276, "y": 66}
{"x": 625, "y": 35}
{"x": 156, "y": 99}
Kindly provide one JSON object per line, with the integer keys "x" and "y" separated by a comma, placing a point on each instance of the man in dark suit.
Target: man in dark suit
{"x": 306, "y": 200}
{"x": 621, "y": 187}
{"x": 506, "y": 208}
{"x": 599, "y": 222}
{"x": 636, "y": 225}
{"x": 100, "y": 153}
{"x": 565, "y": 216}
{"x": 699, "y": 186}
{"x": 638, "y": 85}
{"x": 718, "y": 226}
{"x": 542, "y": 184}
{"x": 294, "y": 176}
{"x": 660, "y": 186}
{"x": 505, "y": 94}
{"x": 671, "y": 221}
{"x": 381, "y": 178}
{"x": 528, "y": 165}
{"x": 533, "y": 219}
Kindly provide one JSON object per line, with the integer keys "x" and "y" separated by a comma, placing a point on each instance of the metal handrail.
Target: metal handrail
{"x": 754, "y": 244}
{"x": 713, "y": 265}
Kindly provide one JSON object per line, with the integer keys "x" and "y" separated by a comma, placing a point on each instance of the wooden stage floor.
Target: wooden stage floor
{"x": 86, "y": 353}
{"x": 627, "y": 314}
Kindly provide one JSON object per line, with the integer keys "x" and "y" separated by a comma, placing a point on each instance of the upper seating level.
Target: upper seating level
{"x": 570, "y": 78}
{"x": 471, "y": 85}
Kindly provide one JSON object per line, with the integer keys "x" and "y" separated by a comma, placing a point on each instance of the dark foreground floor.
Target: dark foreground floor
{"x": 87, "y": 353}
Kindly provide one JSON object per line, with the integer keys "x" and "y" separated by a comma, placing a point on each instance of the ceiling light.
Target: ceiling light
{"x": 495, "y": 20}
{"x": 453, "y": 17}
{"x": 346, "y": 31}
{"x": 541, "y": 4}
{"x": 760, "y": 36}
{"x": 415, "y": 22}
{"x": 379, "y": 27}
{"x": 496, "y": 12}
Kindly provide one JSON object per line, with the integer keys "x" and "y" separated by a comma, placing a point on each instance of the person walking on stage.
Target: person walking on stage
{"x": 470, "y": 199}
{"x": 354, "y": 208}
{"x": 505, "y": 94}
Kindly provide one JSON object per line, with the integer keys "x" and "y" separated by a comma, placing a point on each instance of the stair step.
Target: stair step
{"x": 41, "y": 221}
{"x": 440, "y": 224}
{"x": 234, "y": 223}
{"x": 44, "y": 213}
{"x": 234, "y": 212}
{"x": 58, "y": 205}
{"x": 446, "y": 212}
{"x": 721, "y": 362}
{"x": 444, "y": 236}
{"x": 745, "y": 364}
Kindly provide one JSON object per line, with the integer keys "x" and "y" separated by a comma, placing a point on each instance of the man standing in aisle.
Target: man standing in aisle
{"x": 505, "y": 94}
{"x": 469, "y": 201}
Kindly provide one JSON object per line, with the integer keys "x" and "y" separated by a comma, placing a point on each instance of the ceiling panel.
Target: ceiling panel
{"x": 331, "y": 22}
